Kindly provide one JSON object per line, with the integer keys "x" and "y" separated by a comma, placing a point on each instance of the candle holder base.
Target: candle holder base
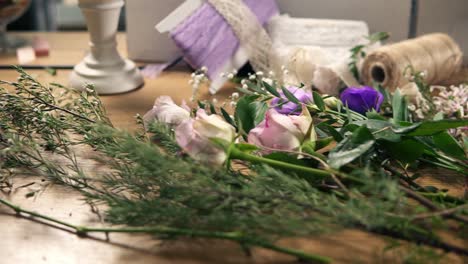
{"x": 115, "y": 79}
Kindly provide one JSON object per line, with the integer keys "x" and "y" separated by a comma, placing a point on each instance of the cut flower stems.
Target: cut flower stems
{"x": 251, "y": 175}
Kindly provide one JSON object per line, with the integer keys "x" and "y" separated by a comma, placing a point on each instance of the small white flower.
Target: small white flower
{"x": 268, "y": 80}
{"x": 235, "y": 96}
{"x": 230, "y": 76}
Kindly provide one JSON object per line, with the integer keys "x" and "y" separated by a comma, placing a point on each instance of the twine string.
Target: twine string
{"x": 436, "y": 54}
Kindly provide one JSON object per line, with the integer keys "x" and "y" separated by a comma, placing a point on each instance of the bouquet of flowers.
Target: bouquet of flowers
{"x": 277, "y": 161}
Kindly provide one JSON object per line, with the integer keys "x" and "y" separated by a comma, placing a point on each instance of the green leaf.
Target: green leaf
{"x": 399, "y": 106}
{"x": 361, "y": 135}
{"x": 331, "y": 131}
{"x": 228, "y": 118}
{"x": 51, "y": 71}
{"x": 449, "y": 145}
{"x": 244, "y": 91}
{"x": 430, "y": 128}
{"x": 354, "y": 146}
{"x": 406, "y": 151}
{"x": 380, "y": 129}
{"x": 201, "y": 104}
{"x": 255, "y": 88}
{"x": 439, "y": 116}
{"x": 271, "y": 89}
{"x": 357, "y": 49}
{"x": 374, "y": 115}
{"x": 465, "y": 143}
{"x": 308, "y": 146}
{"x": 323, "y": 142}
{"x": 212, "y": 109}
{"x": 378, "y": 36}
{"x": 290, "y": 96}
{"x": 250, "y": 112}
{"x": 318, "y": 100}
{"x": 338, "y": 159}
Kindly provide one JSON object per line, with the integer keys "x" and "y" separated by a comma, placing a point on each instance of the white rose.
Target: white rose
{"x": 194, "y": 137}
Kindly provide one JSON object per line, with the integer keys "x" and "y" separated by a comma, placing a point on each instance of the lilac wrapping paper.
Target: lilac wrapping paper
{"x": 206, "y": 39}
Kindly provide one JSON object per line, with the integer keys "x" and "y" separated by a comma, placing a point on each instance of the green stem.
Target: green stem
{"x": 233, "y": 236}
{"x": 315, "y": 174}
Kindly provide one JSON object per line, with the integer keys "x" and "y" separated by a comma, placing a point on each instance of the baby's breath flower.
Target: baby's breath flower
{"x": 235, "y": 96}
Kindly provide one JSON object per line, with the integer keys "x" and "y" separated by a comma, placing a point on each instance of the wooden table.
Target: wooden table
{"x": 25, "y": 241}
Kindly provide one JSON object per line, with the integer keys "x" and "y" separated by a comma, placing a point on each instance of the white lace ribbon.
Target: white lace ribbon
{"x": 251, "y": 34}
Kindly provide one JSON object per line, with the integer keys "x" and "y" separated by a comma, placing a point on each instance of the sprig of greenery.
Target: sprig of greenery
{"x": 358, "y": 52}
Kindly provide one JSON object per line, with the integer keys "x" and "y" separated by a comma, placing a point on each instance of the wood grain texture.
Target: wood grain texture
{"x": 23, "y": 241}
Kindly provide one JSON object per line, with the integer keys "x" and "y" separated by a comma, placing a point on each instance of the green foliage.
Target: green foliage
{"x": 250, "y": 112}
{"x": 318, "y": 100}
{"x": 352, "y": 147}
{"x": 151, "y": 183}
{"x": 358, "y": 52}
{"x": 399, "y": 107}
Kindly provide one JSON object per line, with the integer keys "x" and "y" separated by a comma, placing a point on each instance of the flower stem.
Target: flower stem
{"x": 232, "y": 236}
{"x": 315, "y": 174}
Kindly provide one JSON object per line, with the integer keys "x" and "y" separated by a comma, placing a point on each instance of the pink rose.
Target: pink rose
{"x": 283, "y": 132}
{"x": 166, "y": 111}
{"x": 194, "y": 135}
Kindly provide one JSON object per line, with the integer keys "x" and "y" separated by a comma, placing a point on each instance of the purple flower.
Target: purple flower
{"x": 291, "y": 108}
{"x": 362, "y": 99}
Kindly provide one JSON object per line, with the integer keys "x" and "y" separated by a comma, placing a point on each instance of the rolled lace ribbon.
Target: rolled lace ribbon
{"x": 222, "y": 34}
{"x": 438, "y": 55}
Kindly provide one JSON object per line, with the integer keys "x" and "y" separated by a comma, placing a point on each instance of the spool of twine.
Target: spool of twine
{"x": 437, "y": 54}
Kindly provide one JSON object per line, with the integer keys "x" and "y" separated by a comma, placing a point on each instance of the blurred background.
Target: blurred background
{"x": 401, "y": 18}
{"x": 53, "y": 15}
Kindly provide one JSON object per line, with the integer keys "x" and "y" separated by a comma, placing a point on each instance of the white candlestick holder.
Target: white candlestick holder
{"x": 103, "y": 66}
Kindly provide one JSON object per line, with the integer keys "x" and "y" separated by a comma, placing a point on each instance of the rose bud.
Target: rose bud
{"x": 283, "y": 132}
{"x": 194, "y": 137}
{"x": 166, "y": 111}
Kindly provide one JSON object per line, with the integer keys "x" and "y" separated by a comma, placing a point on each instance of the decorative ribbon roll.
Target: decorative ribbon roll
{"x": 436, "y": 54}
{"x": 222, "y": 34}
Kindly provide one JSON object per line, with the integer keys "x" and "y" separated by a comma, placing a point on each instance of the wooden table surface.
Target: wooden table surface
{"x": 23, "y": 241}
